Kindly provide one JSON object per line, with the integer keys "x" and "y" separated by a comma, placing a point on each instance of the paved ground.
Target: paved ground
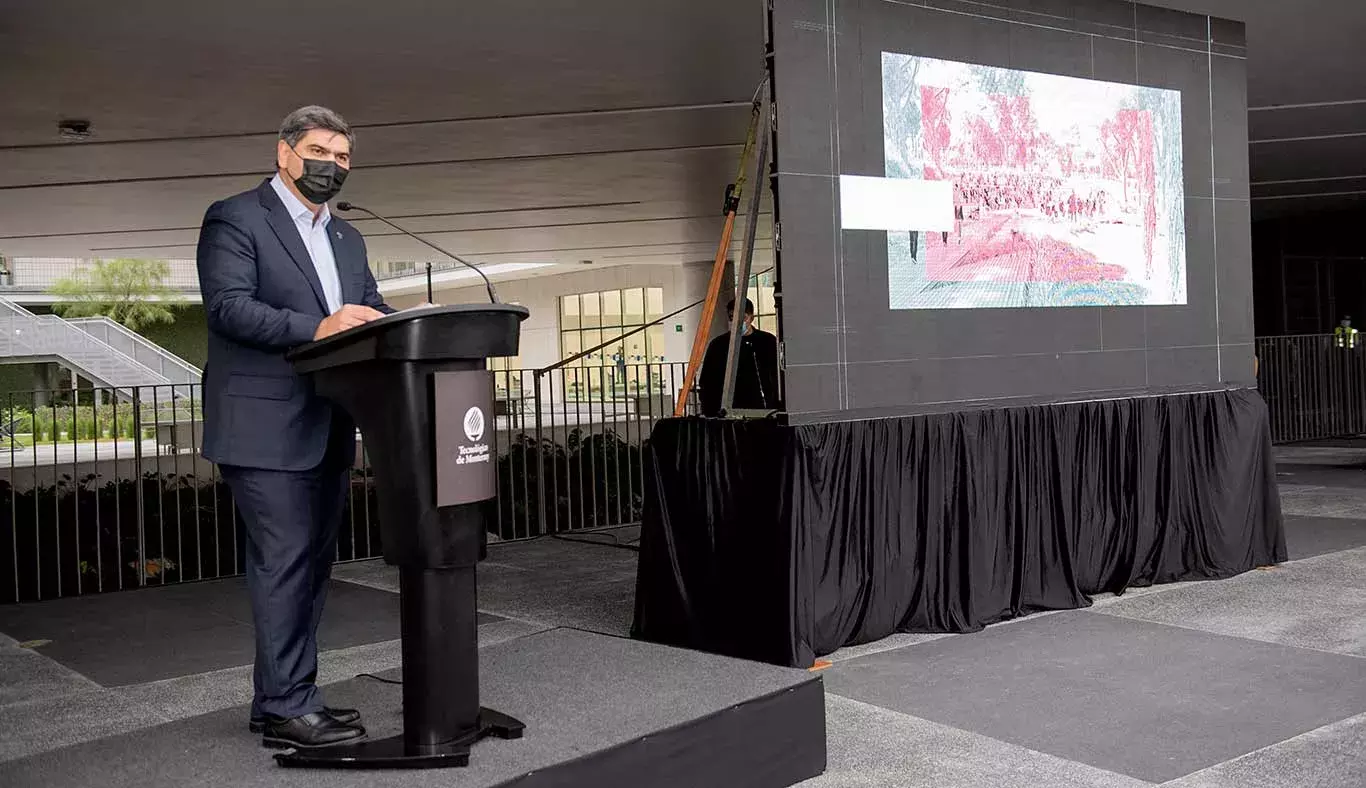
{"x": 67, "y": 452}
{"x": 1256, "y": 681}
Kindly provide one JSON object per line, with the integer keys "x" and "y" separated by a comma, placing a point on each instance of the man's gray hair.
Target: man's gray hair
{"x": 304, "y": 119}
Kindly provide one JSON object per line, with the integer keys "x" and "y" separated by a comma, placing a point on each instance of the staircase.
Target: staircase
{"x": 98, "y": 349}
{"x": 173, "y": 368}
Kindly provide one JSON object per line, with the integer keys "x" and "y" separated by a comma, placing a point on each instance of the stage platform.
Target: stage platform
{"x": 600, "y": 710}
{"x": 784, "y": 543}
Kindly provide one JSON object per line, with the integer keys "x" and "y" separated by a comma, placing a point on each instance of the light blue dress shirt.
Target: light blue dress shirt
{"x": 313, "y": 230}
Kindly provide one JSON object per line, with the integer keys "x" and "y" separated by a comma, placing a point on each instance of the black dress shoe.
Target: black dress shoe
{"x": 311, "y": 730}
{"x": 344, "y": 716}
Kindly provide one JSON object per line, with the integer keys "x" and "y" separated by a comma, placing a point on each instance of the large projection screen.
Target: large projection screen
{"x": 992, "y": 203}
{"x": 1062, "y": 191}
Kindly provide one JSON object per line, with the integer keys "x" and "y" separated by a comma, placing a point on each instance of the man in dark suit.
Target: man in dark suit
{"x": 756, "y": 368}
{"x": 277, "y": 270}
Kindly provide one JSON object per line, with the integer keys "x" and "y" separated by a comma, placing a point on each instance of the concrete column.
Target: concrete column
{"x": 44, "y": 383}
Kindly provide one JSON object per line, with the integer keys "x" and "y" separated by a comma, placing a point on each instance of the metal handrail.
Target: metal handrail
{"x": 538, "y": 374}
{"x": 566, "y": 362}
{"x": 50, "y": 335}
{"x": 187, "y": 371}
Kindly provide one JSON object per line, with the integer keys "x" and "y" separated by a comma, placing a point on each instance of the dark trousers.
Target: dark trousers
{"x": 291, "y": 521}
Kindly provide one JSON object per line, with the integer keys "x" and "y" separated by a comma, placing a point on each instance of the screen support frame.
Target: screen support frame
{"x": 763, "y": 137}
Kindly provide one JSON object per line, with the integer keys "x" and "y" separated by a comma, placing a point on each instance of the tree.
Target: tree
{"x": 127, "y": 291}
{"x": 901, "y": 115}
{"x": 936, "y": 123}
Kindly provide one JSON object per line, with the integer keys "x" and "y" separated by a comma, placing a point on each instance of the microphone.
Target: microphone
{"x": 493, "y": 296}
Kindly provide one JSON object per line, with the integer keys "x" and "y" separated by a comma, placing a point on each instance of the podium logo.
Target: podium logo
{"x": 474, "y": 424}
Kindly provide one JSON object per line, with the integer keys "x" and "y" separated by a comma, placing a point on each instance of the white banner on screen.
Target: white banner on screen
{"x": 895, "y": 204}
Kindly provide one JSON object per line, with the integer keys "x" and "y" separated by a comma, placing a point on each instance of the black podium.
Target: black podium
{"x": 417, "y": 386}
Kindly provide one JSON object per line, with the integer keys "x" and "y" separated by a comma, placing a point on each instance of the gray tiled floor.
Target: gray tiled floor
{"x": 1311, "y": 500}
{"x": 45, "y": 724}
{"x": 201, "y": 693}
{"x": 872, "y": 747}
{"x": 1252, "y": 682}
{"x": 1306, "y": 537}
{"x": 133, "y": 637}
{"x": 1074, "y": 684}
{"x": 577, "y": 692}
{"x": 1316, "y": 603}
{"x": 29, "y": 676}
{"x": 551, "y": 581}
{"x": 1333, "y": 756}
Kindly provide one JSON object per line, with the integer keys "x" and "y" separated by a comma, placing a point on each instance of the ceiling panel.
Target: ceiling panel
{"x": 604, "y": 128}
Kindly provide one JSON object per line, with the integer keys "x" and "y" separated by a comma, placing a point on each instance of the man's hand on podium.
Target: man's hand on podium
{"x": 349, "y": 316}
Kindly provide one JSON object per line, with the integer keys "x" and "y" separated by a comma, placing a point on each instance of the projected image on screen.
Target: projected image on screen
{"x": 1066, "y": 192}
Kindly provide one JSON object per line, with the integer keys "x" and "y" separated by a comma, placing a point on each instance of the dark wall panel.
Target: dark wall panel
{"x": 850, "y": 355}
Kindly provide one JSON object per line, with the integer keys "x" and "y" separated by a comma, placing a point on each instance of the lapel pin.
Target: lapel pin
{"x": 339, "y": 235}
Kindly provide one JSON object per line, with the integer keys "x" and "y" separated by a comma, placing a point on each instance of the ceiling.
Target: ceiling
{"x": 515, "y": 131}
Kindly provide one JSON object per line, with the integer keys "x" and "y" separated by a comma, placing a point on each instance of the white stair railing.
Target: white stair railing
{"x": 26, "y": 335}
{"x": 142, "y": 350}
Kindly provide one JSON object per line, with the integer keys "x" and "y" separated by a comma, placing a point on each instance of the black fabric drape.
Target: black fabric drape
{"x": 785, "y": 543}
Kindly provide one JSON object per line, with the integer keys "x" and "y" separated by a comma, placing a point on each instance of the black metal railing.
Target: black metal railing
{"x": 1314, "y": 386}
{"x": 104, "y": 489}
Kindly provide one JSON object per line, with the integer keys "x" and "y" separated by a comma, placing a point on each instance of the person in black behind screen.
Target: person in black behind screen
{"x": 756, "y": 376}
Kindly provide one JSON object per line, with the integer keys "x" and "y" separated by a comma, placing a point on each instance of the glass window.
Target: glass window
{"x": 654, "y": 303}
{"x": 572, "y": 342}
{"x": 633, "y": 307}
{"x": 611, "y": 309}
{"x": 507, "y": 376}
{"x": 592, "y": 310}
{"x": 621, "y": 369}
{"x": 569, "y": 312}
{"x": 654, "y": 344}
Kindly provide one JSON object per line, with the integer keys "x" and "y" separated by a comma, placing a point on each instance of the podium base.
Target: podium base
{"x": 395, "y": 753}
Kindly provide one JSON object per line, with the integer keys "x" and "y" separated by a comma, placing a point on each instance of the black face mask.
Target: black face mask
{"x": 321, "y": 181}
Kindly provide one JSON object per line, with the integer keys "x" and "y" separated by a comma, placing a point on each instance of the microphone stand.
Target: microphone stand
{"x": 493, "y": 296}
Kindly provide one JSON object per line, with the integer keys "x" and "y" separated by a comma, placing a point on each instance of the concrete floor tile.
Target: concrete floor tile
{"x": 134, "y": 637}
{"x": 1318, "y": 501}
{"x": 371, "y": 574}
{"x": 1105, "y": 600}
{"x": 1307, "y": 537}
{"x": 190, "y": 696}
{"x": 872, "y": 747}
{"x": 577, "y": 693}
{"x": 1317, "y": 603}
{"x": 46, "y": 724}
{"x": 1150, "y": 701}
{"x": 899, "y": 640}
{"x": 1339, "y": 456}
{"x": 546, "y": 581}
{"x": 27, "y": 675}
{"x": 1333, "y": 756}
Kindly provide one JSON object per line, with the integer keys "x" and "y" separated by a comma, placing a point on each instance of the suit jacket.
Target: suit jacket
{"x": 262, "y": 297}
{"x": 756, "y": 373}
